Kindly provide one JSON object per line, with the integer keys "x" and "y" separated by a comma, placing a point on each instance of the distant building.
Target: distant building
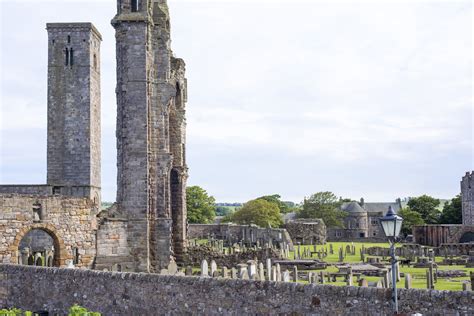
{"x": 362, "y": 220}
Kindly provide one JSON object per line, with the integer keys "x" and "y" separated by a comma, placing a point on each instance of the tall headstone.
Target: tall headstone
{"x": 269, "y": 269}
{"x": 213, "y": 267}
{"x": 408, "y": 281}
{"x": 295, "y": 274}
{"x": 261, "y": 271}
{"x": 204, "y": 268}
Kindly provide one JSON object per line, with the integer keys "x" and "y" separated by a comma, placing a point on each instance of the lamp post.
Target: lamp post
{"x": 391, "y": 225}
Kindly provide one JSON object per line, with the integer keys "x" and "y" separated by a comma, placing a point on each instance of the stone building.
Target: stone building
{"x": 307, "y": 231}
{"x": 362, "y": 220}
{"x": 65, "y": 208}
{"x": 146, "y": 228}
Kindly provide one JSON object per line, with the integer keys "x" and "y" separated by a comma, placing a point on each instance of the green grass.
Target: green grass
{"x": 418, "y": 274}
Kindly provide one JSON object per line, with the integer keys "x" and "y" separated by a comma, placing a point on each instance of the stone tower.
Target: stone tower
{"x": 73, "y": 153}
{"x": 467, "y": 197}
{"x": 152, "y": 172}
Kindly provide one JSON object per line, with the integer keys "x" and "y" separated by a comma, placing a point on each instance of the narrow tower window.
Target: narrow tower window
{"x": 67, "y": 56}
{"x": 71, "y": 56}
{"x": 95, "y": 62}
{"x": 69, "y": 39}
{"x": 135, "y": 5}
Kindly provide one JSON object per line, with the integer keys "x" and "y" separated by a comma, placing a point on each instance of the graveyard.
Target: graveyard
{"x": 341, "y": 264}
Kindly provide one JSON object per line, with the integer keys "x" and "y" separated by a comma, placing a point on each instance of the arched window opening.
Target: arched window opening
{"x": 39, "y": 261}
{"x": 69, "y": 39}
{"x": 135, "y": 5}
{"x": 36, "y": 246}
{"x": 66, "y": 63}
{"x": 71, "y": 57}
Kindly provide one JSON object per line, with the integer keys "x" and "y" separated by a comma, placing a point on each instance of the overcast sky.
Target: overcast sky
{"x": 366, "y": 99}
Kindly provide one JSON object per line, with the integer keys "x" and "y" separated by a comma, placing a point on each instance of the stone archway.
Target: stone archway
{"x": 60, "y": 256}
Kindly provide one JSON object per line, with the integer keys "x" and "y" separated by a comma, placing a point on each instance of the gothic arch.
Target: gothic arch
{"x": 60, "y": 253}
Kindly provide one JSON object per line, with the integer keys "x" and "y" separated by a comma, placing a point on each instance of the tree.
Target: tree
{"x": 452, "y": 211}
{"x": 284, "y": 206}
{"x": 427, "y": 206}
{"x": 200, "y": 206}
{"x": 259, "y": 212}
{"x": 410, "y": 219}
{"x": 223, "y": 210}
{"x": 324, "y": 205}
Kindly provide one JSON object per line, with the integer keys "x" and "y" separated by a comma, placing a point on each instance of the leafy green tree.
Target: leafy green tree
{"x": 324, "y": 205}
{"x": 410, "y": 219}
{"x": 259, "y": 212}
{"x": 284, "y": 206}
{"x": 223, "y": 210}
{"x": 427, "y": 207}
{"x": 452, "y": 211}
{"x": 201, "y": 206}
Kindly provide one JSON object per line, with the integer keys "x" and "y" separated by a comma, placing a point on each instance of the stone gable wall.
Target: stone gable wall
{"x": 54, "y": 290}
{"x": 70, "y": 221}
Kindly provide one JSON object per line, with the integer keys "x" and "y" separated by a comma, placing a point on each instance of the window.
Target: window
{"x": 374, "y": 234}
{"x": 69, "y": 39}
{"x": 135, "y": 5}
{"x": 338, "y": 234}
{"x": 357, "y": 225}
{"x": 67, "y": 57}
{"x": 95, "y": 62}
{"x": 374, "y": 222}
{"x": 71, "y": 57}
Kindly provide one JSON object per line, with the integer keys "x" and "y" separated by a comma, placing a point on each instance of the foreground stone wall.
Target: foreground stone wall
{"x": 53, "y": 289}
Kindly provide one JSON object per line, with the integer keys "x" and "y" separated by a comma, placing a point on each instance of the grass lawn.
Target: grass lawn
{"x": 418, "y": 274}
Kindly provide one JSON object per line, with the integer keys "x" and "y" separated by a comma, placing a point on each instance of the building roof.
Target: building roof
{"x": 353, "y": 207}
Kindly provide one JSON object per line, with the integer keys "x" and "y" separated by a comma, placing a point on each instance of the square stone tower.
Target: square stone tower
{"x": 151, "y": 95}
{"x": 73, "y": 153}
{"x": 467, "y": 198}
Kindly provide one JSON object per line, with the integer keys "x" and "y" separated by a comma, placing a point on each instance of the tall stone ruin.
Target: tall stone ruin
{"x": 152, "y": 171}
{"x": 467, "y": 198}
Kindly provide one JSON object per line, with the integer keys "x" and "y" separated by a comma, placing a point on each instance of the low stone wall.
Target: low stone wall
{"x": 54, "y": 290}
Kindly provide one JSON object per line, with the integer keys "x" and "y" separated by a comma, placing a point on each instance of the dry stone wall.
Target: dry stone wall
{"x": 54, "y": 290}
{"x": 71, "y": 222}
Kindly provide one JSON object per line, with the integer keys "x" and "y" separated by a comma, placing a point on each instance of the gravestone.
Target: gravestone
{"x": 363, "y": 283}
{"x": 341, "y": 255}
{"x": 189, "y": 270}
{"x": 274, "y": 274}
{"x": 269, "y": 269}
{"x": 408, "y": 282}
{"x": 225, "y": 272}
{"x": 321, "y": 277}
{"x": 310, "y": 277}
{"x": 252, "y": 268}
{"x": 295, "y": 274}
{"x": 278, "y": 269}
{"x": 349, "y": 276}
{"x": 261, "y": 271}
{"x": 466, "y": 286}
{"x": 213, "y": 267}
{"x": 286, "y": 276}
{"x": 204, "y": 268}
{"x": 331, "y": 249}
{"x": 234, "y": 273}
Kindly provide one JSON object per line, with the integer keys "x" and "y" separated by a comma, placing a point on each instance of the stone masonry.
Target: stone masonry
{"x": 70, "y": 221}
{"x": 467, "y": 197}
{"x": 65, "y": 209}
{"x": 152, "y": 171}
{"x": 112, "y": 293}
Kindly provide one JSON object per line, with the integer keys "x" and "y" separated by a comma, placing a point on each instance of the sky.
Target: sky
{"x": 368, "y": 99}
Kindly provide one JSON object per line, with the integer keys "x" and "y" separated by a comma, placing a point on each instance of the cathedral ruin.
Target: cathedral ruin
{"x": 60, "y": 223}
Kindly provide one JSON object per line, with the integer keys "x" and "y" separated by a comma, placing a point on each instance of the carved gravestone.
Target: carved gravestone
{"x": 204, "y": 268}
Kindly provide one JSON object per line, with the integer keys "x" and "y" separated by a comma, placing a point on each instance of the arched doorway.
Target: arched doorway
{"x": 40, "y": 240}
{"x": 467, "y": 237}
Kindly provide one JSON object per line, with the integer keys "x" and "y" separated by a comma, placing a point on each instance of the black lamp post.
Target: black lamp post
{"x": 391, "y": 225}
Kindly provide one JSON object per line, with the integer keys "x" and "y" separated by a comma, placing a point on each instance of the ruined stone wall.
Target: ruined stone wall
{"x": 54, "y": 290}
{"x": 70, "y": 221}
{"x": 307, "y": 231}
{"x": 26, "y": 189}
{"x": 436, "y": 235}
{"x": 236, "y": 233}
{"x": 467, "y": 198}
